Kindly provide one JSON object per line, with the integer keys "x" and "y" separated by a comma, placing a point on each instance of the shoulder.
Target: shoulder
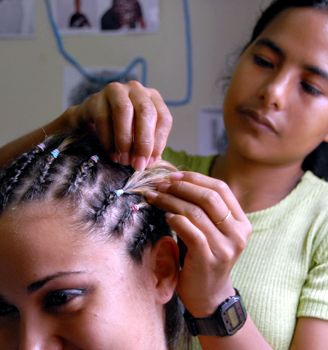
{"x": 315, "y": 190}
{"x": 185, "y": 161}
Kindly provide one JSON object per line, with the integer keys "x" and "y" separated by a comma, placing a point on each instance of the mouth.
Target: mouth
{"x": 258, "y": 119}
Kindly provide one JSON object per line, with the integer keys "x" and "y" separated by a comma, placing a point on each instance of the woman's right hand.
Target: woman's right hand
{"x": 206, "y": 216}
{"x": 131, "y": 121}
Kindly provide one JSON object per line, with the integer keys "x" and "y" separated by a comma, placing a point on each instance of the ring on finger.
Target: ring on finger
{"x": 220, "y": 222}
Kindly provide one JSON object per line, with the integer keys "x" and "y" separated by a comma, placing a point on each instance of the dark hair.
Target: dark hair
{"x": 106, "y": 197}
{"x": 317, "y": 160}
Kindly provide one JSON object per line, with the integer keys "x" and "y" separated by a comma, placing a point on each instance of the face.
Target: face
{"x": 62, "y": 289}
{"x": 276, "y": 108}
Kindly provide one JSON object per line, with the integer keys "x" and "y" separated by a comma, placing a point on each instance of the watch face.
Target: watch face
{"x": 233, "y": 315}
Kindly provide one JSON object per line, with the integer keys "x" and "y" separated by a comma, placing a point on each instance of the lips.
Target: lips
{"x": 258, "y": 118}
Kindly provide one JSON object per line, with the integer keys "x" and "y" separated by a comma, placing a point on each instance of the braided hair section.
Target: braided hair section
{"x": 106, "y": 198}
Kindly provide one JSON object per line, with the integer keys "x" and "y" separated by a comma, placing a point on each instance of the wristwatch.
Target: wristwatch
{"x": 226, "y": 320}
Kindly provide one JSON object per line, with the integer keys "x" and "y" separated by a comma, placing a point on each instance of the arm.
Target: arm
{"x": 131, "y": 121}
{"x": 310, "y": 333}
{"x": 196, "y": 205}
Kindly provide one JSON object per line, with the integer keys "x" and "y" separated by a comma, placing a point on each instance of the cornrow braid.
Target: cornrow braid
{"x": 99, "y": 209}
{"x": 17, "y": 168}
{"x": 43, "y": 180}
{"x": 86, "y": 171}
{"x": 129, "y": 212}
{"x": 46, "y": 168}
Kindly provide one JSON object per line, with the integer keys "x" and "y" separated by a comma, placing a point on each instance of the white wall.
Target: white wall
{"x": 31, "y": 70}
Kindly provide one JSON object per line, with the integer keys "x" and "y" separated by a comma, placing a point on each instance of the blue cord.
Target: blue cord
{"x": 189, "y": 62}
{"x": 138, "y": 60}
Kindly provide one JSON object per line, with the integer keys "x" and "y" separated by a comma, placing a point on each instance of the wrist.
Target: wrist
{"x": 65, "y": 122}
{"x": 205, "y": 305}
{"x": 228, "y": 317}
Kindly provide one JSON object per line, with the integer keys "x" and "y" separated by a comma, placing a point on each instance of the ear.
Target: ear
{"x": 165, "y": 268}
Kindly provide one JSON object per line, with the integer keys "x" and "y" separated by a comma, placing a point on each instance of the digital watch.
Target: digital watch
{"x": 227, "y": 319}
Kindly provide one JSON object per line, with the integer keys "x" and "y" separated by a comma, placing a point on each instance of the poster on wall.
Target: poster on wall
{"x": 77, "y": 88}
{"x": 106, "y": 16}
{"x": 17, "y": 18}
{"x": 211, "y": 132}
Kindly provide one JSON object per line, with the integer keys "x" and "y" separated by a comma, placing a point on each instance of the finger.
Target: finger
{"x": 194, "y": 239}
{"x": 206, "y": 198}
{"x": 190, "y": 211}
{"x": 98, "y": 112}
{"x": 206, "y": 209}
{"x": 122, "y": 111}
{"x": 163, "y": 126}
{"x": 217, "y": 185}
{"x": 145, "y": 121}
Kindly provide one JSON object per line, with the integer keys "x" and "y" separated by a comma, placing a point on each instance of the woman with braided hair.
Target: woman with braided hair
{"x": 85, "y": 262}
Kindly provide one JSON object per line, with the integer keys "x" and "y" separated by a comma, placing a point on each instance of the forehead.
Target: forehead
{"x": 40, "y": 240}
{"x": 301, "y": 31}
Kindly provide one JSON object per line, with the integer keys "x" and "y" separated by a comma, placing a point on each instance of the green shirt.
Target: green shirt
{"x": 283, "y": 272}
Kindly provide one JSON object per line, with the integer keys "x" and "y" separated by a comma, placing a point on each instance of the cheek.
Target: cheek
{"x": 114, "y": 319}
{"x": 8, "y": 336}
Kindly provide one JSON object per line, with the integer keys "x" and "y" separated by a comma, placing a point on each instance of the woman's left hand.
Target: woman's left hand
{"x": 209, "y": 220}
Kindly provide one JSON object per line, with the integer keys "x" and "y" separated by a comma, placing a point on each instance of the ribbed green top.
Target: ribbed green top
{"x": 283, "y": 272}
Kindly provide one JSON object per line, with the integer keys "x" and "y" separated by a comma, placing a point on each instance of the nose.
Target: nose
{"x": 35, "y": 335}
{"x": 274, "y": 92}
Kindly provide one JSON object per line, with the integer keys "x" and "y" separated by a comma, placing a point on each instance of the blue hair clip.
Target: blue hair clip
{"x": 119, "y": 192}
{"x": 55, "y": 153}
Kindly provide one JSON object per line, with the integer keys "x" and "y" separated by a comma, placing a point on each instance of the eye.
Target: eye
{"x": 61, "y": 298}
{"x": 7, "y": 310}
{"x": 262, "y": 62}
{"x": 310, "y": 89}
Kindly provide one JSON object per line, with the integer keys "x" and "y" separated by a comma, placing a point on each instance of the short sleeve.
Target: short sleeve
{"x": 314, "y": 295}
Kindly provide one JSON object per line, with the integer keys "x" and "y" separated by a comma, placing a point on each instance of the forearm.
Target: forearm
{"x": 247, "y": 338}
{"x": 14, "y": 148}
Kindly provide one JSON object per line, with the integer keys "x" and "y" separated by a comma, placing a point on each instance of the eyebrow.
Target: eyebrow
{"x": 34, "y": 286}
{"x": 280, "y": 52}
{"x": 271, "y": 45}
{"x": 317, "y": 71}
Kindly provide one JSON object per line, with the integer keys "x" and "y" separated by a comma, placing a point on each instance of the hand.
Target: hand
{"x": 131, "y": 121}
{"x": 207, "y": 217}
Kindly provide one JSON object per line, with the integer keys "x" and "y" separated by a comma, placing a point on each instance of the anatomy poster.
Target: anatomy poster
{"x": 106, "y": 16}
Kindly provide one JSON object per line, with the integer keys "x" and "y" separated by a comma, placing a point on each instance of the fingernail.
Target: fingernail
{"x": 139, "y": 163}
{"x": 178, "y": 175}
{"x": 125, "y": 158}
{"x": 163, "y": 187}
{"x": 169, "y": 215}
{"x": 151, "y": 195}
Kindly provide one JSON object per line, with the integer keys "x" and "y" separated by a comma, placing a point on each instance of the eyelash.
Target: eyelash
{"x": 60, "y": 298}
{"x": 53, "y": 301}
{"x": 308, "y": 88}
{"x": 260, "y": 61}
{"x": 7, "y": 309}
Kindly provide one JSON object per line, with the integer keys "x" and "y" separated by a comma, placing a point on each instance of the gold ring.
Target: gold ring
{"x": 218, "y": 223}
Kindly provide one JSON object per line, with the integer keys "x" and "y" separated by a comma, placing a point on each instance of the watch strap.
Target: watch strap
{"x": 219, "y": 323}
{"x": 203, "y": 326}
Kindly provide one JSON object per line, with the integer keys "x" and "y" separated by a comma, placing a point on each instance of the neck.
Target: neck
{"x": 256, "y": 185}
